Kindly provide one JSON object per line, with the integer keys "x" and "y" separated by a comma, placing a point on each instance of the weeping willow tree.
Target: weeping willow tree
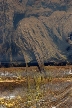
{"x": 28, "y": 41}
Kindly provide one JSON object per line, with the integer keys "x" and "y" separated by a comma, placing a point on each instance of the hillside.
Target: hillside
{"x": 35, "y": 30}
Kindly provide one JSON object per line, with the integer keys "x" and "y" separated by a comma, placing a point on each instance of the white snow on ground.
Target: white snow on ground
{"x": 53, "y": 106}
{"x": 8, "y": 97}
{"x": 70, "y": 72}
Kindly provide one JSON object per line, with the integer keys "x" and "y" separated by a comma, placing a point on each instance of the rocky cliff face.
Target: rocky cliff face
{"x": 35, "y": 30}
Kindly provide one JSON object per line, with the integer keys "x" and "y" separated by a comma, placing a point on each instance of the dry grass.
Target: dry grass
{"x": 34, "y": 68}
{"x": 36, "y": 88}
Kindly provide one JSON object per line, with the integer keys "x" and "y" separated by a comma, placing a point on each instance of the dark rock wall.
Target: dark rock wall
{"x": 35, "y": 30}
